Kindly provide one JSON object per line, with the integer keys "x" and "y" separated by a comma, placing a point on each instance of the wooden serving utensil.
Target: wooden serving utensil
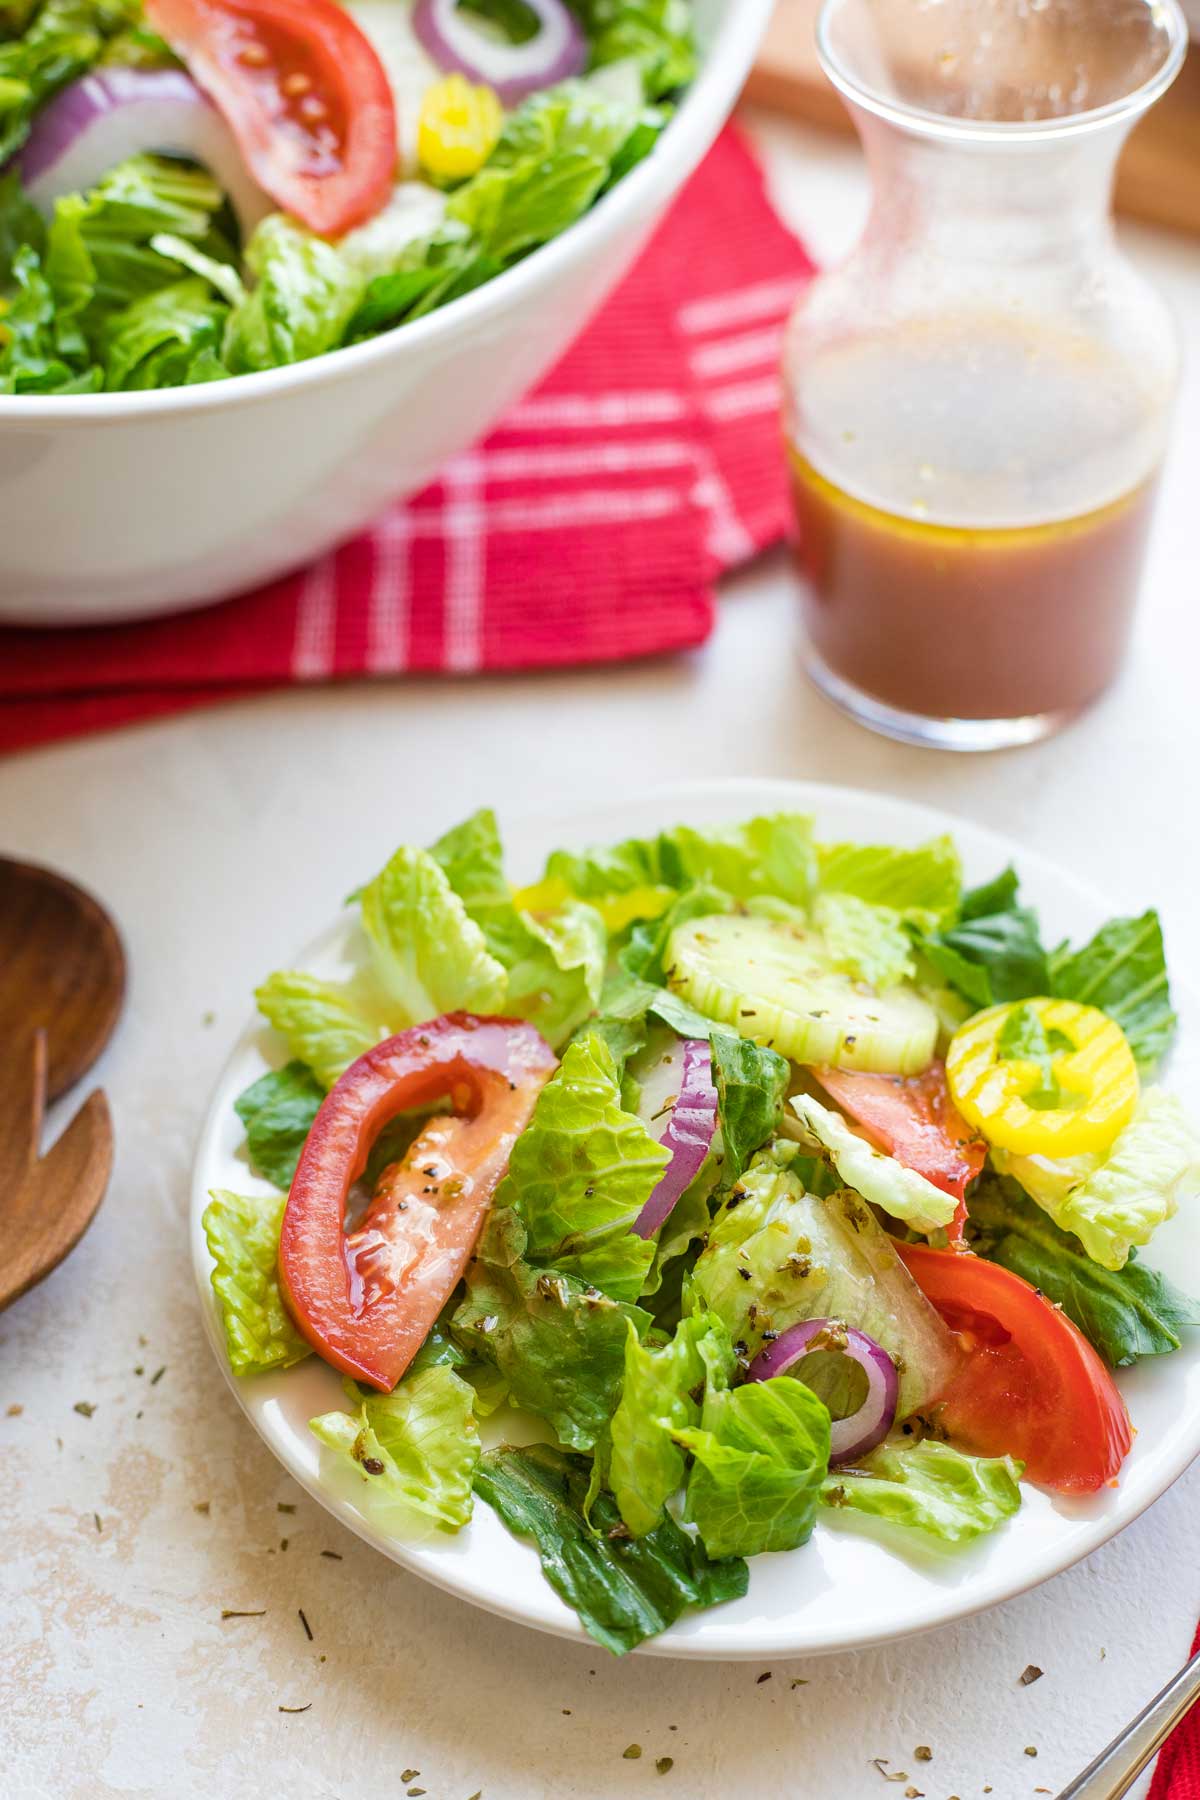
{"x": 62, "y": 983}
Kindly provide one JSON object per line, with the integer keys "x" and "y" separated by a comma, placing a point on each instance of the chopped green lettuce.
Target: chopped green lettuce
{"x": 769, "y": 855}
{"x": 657, "y": 35}
{"x": 1123, "y": 971}
{"x": 430, "y": 955}
{"x": 416, "y": 1448}
{"x": 322, "y": 1023}
{"x": 777, "y": 1254}
{"x": 96, "y": 299}
{"x": 554, "y": 965}
{"x": 278, "y": 1110}
{"x": 751, "y": 1081}
{"x": 558, "y": 1344}
{"x": 865, "y": 941}
{"x": 156, "y": 340}
{"x": 243, "y": 1240}
{"x": 923, "y": 885}
{"x": 1119, "y": 1201}
{"x": 927, "y": 1487}
{"x": 901, "y": 1192}
{"x": 581, "y": 1172}
{"x": 624, "y": 1589}
{"x": 49, "y": 45}
{"x": 303, "y": 299}
{"x": 1126, "y": 1313}
{"x": 646, "y": 952}
{"x": 994, "y": 951}
{"x": 661, "y": 1395}
{"x": 759, "y": 1456}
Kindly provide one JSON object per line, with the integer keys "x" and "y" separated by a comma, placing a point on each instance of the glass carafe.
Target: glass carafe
{"x": 977, "y": 401}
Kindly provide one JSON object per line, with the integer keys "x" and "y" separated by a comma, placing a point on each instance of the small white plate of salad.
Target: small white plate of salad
{"x": 743, "y": 1236}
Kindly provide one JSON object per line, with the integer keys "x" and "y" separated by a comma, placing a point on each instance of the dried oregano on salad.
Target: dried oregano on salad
{"x": 768, "y": 1179}
{"x": 196, "y": 189}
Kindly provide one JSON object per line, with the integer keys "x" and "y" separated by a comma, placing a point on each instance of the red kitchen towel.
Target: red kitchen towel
{"x": 589, "y": 527}
{"x": 1177, "y": 1776}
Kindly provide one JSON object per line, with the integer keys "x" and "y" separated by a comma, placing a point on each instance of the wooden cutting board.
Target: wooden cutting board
{"x": 1159, "y": 175}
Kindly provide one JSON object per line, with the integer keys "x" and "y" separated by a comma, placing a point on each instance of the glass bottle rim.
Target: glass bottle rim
{"x": 923, "y": 122}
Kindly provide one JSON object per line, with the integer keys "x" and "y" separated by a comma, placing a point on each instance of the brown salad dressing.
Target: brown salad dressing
{"x": 966, "y": 622}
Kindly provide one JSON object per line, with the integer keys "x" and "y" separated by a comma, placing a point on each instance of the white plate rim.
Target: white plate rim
{"x": 705, "y": 1636}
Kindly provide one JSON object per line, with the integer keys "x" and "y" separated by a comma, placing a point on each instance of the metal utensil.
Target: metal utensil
{"x": 1116, "y": 1769}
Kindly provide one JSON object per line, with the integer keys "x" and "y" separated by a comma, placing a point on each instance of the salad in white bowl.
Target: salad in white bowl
{"x": 199, "y": 189}
{"x": 757, "y": 1178}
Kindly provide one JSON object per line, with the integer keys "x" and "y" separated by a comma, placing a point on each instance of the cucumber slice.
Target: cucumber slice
{"x": 772, "y": 980}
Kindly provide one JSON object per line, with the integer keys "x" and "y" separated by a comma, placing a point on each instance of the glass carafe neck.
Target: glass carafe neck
{"x": 995, "y": 202}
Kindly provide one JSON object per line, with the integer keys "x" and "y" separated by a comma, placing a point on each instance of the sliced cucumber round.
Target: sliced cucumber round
{"x": 772, "y": 980}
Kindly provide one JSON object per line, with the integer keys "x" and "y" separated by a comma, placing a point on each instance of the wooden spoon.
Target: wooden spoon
{"x": 62, "y": 982}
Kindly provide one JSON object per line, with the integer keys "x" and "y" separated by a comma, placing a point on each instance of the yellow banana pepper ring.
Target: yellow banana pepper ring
{"x": 1044, "y": 1077}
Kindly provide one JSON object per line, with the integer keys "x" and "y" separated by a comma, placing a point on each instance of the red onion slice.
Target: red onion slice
{"x": 688, "y": 1137}
{"x": 455, "y": 41}
{"x": 97, "y": 122}
{"x": 868, "y": 1426}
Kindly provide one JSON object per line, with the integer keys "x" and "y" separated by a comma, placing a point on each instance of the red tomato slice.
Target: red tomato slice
{"x": 366, "y": 1300}
{"x": 304, "y": 94}
{"x": 914, "y": 1119}
{"x": 1031, "y": 1385}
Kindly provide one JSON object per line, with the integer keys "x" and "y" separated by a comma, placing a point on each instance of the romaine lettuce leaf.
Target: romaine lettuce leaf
{"x": 155, "y": 340}
{"x": 865, "y": 941}
{"x": 624, "y": 1589}
{"x": 580, "y": 1173}
{"x": 883, "y": 1181}
{"x": 416, "y": 1448}
{"x": 278, "y": 1110}
{"x": 769, "y": 855}
{"x": 430, "y": 956}
{"x": 554, "y": 964}
{"x": 759, "y": 1455}
{"x": 751, "y": 1082}
{"x": 559, "y": 1345}
{"x": 661, "y": 1394}
{"x": 243, "y": 1239}
{"x": 777, "y": 1254}
{"x": 923, "y": 885}
{"x": 657, "y": 34}
{"x": 303, "y": 300}
{"x": 1126, "y": 1313}
{"x": 1123, "y": 971}
{"x": 53, "y": 44}
{"x": 322, "y": 1024}
{"x": 1119, "y": 1202}
{"x": 927, "y": 1487}
{"x": 994, "y": 951}
{"x": 645, "y": 953}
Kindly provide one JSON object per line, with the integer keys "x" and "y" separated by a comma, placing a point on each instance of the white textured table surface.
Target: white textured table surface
{"x": 223, "y": 838}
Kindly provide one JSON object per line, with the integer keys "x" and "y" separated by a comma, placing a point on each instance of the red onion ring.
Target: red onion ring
{"x": 98, "y": 121}
{"x": 454, "y": 41}
{"x": 688, "y": 1137}
{"x": 868, "y": 1426}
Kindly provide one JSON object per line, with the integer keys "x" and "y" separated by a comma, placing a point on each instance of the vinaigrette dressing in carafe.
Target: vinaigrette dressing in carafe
{"x": 977, "y": 402}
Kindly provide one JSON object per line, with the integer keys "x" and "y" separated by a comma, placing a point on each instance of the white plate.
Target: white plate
{"x": 842, "y": 1590}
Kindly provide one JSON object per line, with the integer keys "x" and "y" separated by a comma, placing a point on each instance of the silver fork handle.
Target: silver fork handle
{"x": 1116, "y": 1769}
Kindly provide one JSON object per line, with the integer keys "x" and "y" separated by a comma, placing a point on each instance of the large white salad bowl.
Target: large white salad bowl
{"x": 120, "y": 506}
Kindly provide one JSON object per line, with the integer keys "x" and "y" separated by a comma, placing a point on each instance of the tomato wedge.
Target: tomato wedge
{"x": 1030, "y": 1385}
{"x": 366, "y": 1300}
{"x": 914, "y": 1119}
{"x": 305, "y": 95}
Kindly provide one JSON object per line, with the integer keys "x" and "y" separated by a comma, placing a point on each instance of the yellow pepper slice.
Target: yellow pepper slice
{"x": 458, "y": 128}
{"x": 1044, "y": 1077}
{"x": 617, "y": 910}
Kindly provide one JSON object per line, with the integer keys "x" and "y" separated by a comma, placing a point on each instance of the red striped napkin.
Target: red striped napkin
{"x": 1177, "y": 1776}
{"x": 589, "y": 527}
